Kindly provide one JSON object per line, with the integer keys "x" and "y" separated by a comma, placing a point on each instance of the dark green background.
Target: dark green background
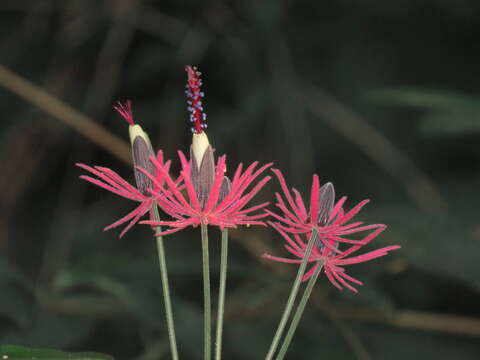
{"x": 379, "y": 97}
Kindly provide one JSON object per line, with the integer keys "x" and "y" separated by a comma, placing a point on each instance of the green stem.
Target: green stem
{"x": 291, "y": 298}
{"x": 165, "y": 287}
{"x": 206, "y": 295}
{"x": 221, "y": 294}
{"x": 299, "y": 312}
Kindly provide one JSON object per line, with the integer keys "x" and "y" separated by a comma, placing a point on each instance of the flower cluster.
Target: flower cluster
{"x": 203, "y": 194}
{"x": 144, "y": 192}
{"x": 211, "y": 197}
{"x": 329, "y": 223}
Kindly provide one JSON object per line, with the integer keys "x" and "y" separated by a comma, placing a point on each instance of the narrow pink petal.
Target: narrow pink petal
{"x": 359, "y": 229}
{"x": 186, "y": 174}
{"x": 236, "y": 177}
{"x": 238, "y": 216}
{"x": 283, "y": 207}
{"x": 354, "y": 211}
{"x": 176, "y": 223}
{"x": 293, "y": 251}
{"x": 139, "y": 211}
{"x": 240, "y": 203}
{"x": 248, "y": 172}
{"x": 240, "y": 183}
{"x": 166, "y": 199}
{"x": 299, "y": 241}
{"x": 293, "y": 230}
{"x": 103, "y": 185}
{"x": 329, "y": 244}
{"x": 343, "y": 282}
{"x": 217, "y": 184}
{"x": 170, "y": 231}
{"x": 350, "y": 278}
{"x": 310, "y": 272}
{"x": 107, "y": 179}
{"x": 192, "y": 194}
{"x": 368, "y": 256}
{"x": 157, "y": 180}
{"x": 290, "y": 241}
{"x": 347, "y": 241}
{"x": 280, "y": 259}
{"x": 365, "y": 240}
{"x": 171, "y": 184}
{"x": 130, "y": 224}
{"x": 260, "y": 171}
{"x": 254, "y": 208}
{"x": 117, "y": 178}
{"x": 314, "y": 199}
{"x": 246, "y": 180}
{"x": 332, "y": 280}
{"x": 284, "y": 187}
{"x": 293, "y": 245}
{"x": 241, "y": 222}
{"x": 346, "y": 227}
{"x": 302, "y": 211}
{"x": 282, "y": 219}
{"x": 336, "y": 208}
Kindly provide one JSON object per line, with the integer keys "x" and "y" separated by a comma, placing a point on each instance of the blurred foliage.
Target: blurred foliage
{"x": 446, "y": 113}
{"x": 65, "y": 284}
{"x": 18, "y": 352}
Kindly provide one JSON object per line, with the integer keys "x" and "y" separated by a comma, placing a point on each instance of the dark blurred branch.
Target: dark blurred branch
{"x": 64, "y": 113}
{"x": 409, "y": 319}
{"x": 98, "y": 102}
{"x": 359, "y": 132}
{"x": 21, "y": 152}
{"x": 291, "y": 112}
{"x": 375, "y": 145}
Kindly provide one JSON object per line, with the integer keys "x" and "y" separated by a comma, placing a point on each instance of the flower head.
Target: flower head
{"x": 141, "y": 147}
{"x": 329, "y": 219}
{"x": 329, "y": 223}
{"x": 211, "y": 198}
{"x": 333, "y": 262}
{"x": 220, "y": 203}
{"x": 144, "y": 192}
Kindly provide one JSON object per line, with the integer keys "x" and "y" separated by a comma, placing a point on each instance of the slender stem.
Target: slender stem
{"x": 293, "y": 294}
{"x": 299, "y": 312}
{"x": 206, "y": 295}
{"x": 221, "y": 294}
{"x": 165, "y": 287}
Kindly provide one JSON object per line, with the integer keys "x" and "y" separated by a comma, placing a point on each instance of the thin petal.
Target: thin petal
{"x": 284, "y": 187}
{"x": 368, "y": 256}
{"x": 280, "y": 259}
{"x": 314, "y": 199}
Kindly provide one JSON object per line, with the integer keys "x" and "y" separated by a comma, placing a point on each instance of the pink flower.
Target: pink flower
{"x": 327, "y": 218}
{"x": 333, "y": 262}
{"x": 111, "y": 181}
{"x": 219, "y": 201}
{"x": 211, "y": 198}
